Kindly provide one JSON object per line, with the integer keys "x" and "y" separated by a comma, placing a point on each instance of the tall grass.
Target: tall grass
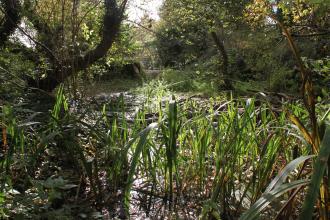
{"x": 227, "y": 151}
{"x": 219, "y": 155}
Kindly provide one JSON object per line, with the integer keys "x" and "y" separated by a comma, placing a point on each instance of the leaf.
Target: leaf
{"x": 143, "y": 139}
{"x": 270, "y": 196}
{"x": 276, "y": 188}
{"x": 210, "y": 208}
{"x": 28, "y": 124}
{"x": 283, "y": 174}
{"x": 302, "y": 129}
{"x": 68, "y": 186}
{"x": 325, "y": 2}
{"x": 325, "y": 116}
{"x": 319, "y": 168}
{"x": 48, "y": 138}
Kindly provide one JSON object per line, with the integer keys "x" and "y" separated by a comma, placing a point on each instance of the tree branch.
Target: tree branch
{"x": 225, "y": 63}
{"x": 111, "y": 27}
{"x": 11, "y": 11}
{"x": 311, "y": 35}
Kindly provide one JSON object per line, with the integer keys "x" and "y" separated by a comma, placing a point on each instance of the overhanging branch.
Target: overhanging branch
{"x": 11, "y": 11}
{"x": 111, "y": 26}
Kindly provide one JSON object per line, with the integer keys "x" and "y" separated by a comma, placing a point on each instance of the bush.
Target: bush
{"x": 179, "y": 80}
{"x": 282, "y": 79}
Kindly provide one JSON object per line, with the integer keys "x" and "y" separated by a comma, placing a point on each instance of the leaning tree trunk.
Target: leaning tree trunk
{"x": 64, "y": 69}
{"x": 12, "y": 18}
{"x": 225, "y": 63}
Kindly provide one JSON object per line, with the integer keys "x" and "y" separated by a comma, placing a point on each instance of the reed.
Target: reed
{"x": 232, "y": 156}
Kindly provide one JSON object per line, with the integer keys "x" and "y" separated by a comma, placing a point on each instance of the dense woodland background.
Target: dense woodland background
{"x": 216, "y": 110}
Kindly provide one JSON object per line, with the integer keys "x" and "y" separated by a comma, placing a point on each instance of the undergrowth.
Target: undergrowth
{"x": 197, "y": 157}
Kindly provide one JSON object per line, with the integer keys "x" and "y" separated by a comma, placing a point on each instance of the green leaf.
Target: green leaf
{"x": 270, "y": 196}
{"x": 276, "y": 188}
{"x": 68, "y": 186}
{"x": 142, "y": 141}
{"x": 281, "y": 177}
{"x": 319, "y": 168}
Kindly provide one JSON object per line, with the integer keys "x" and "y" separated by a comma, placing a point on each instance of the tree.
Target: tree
{"x": 58, "y": 38}
{"x": 308, "y": 23}
{"x": 11, "y": 19}
{"x": 113, "y": 15}
{"x": 194, "y": 28}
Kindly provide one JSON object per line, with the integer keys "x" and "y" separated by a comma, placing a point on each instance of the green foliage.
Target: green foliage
{"x": 2, "y": 202}
{"x": 16, "y": 64}
{"x": 276, "y": 188}
{"x": 231, "y": 149}
{"x": 318, "y": 173}
{"x": 197, "y": 78}
{"x": 186, "y": 26}
{"x": 170, "y": 132}
{"x": 13, "y": 69}
{"x": 218, "y": 154}
{"x": 321, "y": 75}
{"x": 198, "y": 141}
{"x": 265, "y": 57}
{"x": 282, "y": 79}
{"x": 14, "y": 141}
{"x": 153, "y": 93}
{"x": 122, "y": 52}
{"x": 142, "y": 136}
{"x": 181, "y": 81}
{"x": 124, "y": 49}
{"x": 54, "y": 187}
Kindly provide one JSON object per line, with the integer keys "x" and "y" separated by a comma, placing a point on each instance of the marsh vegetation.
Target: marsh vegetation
{"x": 217, "y": 110}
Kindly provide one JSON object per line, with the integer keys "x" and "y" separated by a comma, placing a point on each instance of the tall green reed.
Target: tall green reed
{"x": 13, "y": 139}
{"x": 170, "y": 129}
{"x": 248, "y": 142}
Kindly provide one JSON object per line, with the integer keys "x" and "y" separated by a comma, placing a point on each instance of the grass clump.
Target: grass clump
{"x": 209, "y": 157}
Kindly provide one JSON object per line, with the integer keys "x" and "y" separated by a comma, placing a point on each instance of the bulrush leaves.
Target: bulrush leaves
{"x": 142, "y": 136}
{"x": 318, "y": 172}
{"x": 276, "y": 188}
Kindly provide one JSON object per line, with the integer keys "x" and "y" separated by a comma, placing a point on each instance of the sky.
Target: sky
{"x": 137, "y": 8}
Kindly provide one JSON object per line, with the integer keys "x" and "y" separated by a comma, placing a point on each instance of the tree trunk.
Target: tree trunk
{"x": 61, "y": 71}
{"x": 12, "y": 18}
{"x": 225, "y": 63}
